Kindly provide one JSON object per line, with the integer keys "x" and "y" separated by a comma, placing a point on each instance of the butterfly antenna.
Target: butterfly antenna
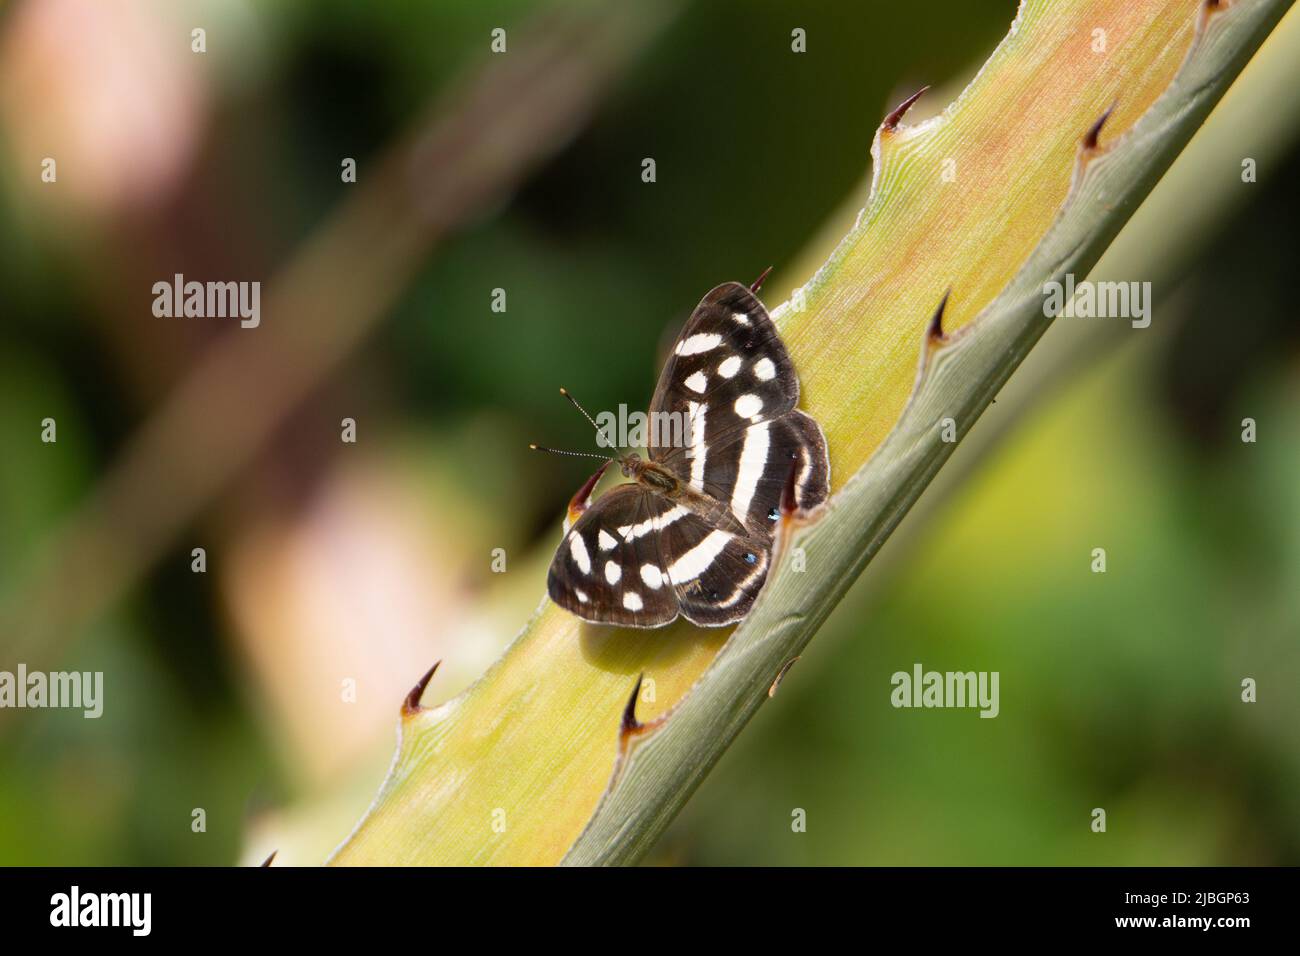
{"x": 576, "y": 454}
{"x": 573, "y": 401}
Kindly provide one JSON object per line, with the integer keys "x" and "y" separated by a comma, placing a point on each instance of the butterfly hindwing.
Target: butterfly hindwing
{"x": 608, "y": 568}
{"x": 715, "y": 575}
{"x": 749, "y": 470}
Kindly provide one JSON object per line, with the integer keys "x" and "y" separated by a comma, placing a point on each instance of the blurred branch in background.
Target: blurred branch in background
{"x": 482, "y": 140}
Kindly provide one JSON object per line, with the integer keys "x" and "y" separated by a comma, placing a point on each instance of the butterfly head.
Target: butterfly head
{"x": 631, "y": 464}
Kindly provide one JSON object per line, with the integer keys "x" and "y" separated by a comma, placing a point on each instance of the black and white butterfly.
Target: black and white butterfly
{"x": 692, "y": 533}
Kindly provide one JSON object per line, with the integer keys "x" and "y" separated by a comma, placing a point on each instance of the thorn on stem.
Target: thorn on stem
{"x": 758, "y": 283}
{"x": 578, "y": 503}
{"x": 891, "y": 121}
{"x": 780, "y": 676}
{"x": 630, "y": 725}
{"x": 411, "y": 706}
{"x": 267, "y": 861}
{"x": 1090, "y": 140}
{"x": 935, "y": 333}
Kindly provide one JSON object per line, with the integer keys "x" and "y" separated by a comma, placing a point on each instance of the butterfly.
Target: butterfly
{"x": 691, "y": 534}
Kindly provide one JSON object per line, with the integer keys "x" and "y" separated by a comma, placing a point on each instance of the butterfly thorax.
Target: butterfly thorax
{"x": 655, "y": 477}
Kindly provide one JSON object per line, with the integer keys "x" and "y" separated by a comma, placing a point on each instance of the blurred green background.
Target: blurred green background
{"x": 330, "y": 562}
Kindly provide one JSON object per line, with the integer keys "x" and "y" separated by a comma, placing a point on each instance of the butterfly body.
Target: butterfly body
{"x": 692, "y": 532}
{"x": 658, "y": 480}
{"x": 654, "y": 477}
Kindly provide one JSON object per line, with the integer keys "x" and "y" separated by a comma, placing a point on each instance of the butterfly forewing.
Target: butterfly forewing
{"x": 728, "y": 370}
{"x": 731, "y": 377}
{"x": 609, "y": 568}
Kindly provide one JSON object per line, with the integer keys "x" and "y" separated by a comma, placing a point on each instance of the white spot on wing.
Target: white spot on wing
{"x": 632, "y": 601}
{"x": 634, "y": 531}
{"x": 668, "y": 517}
{"x": 696, "y": 413}
{"x": 652, "y": 576}
{"x": 764, "y": 370}
{"x": 607, "y": 541}
{"x": 698, "y": 382}
{"x": 729, "y": 366}
{"x": 749, "y": 406}
{"x": 578, "y": 548}
{"x": 612, "y": 572}
{"x": 697, "y": 343}
{"x": 750, "y": 468}
{"x": 582, "y": 595}
{"x": 697, "y": 560}
{"x": 740, "y": 317}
